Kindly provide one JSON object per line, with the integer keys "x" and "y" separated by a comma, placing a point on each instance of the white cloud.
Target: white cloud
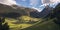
{"x": 50, "y": 1}
{"x": 55, "y": 1}
{"x": 38, "y": 9}
{"x": 33, "y": 2}
{"x": 8, "y": 2}
{"x": 44, "y": 5}
{"x": 45, "y": 1}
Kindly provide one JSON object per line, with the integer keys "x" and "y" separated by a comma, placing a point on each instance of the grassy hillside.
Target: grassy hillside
{"x": 40, "y": 25}
{"x": 23, "y": 22}
{"x": 47, "y": 25}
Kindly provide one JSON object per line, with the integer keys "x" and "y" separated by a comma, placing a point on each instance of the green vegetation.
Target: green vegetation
{"x": 15, "y": 24}
{"x": 46, "y": 25}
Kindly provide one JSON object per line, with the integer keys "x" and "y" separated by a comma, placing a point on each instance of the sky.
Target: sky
{"x": 29, "y": 3}
{"x": 36, "y": 4}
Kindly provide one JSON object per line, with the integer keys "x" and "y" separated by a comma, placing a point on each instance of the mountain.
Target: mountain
{"x": 47, "y": 10}
{"x": 14, "y": 10}
{"x": 56, "y": 14}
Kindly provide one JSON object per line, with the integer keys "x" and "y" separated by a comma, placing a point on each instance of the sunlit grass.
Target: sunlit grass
{"x": 29, "y": 18}
{"x": 12, "y": 25}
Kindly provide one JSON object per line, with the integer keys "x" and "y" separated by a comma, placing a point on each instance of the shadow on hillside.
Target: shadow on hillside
{"x": 10, "y": 15}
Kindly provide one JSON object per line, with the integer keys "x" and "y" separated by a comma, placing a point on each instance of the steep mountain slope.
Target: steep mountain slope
{"x": 56, "y": 13}
{"x": 47, "y": 10}
{"x": 14, "y": 10}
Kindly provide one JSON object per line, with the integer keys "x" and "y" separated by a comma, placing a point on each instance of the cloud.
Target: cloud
{"x": 33, "y": 2}
{"x": 55, "y": 1}
{"x": 45, "y": 1}
{"x": 38, "y": 9}
{"x": 8, "y": 2}
{"x": 49, "y": 1}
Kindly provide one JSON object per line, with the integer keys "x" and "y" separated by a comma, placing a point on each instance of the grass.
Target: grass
{"x": 29, "y": 18}
{"x": 13, "y": 26}
{"x": 47, "y": 25}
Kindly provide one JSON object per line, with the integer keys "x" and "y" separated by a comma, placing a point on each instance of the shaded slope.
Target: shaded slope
{"x": 47, "y": 10}
{"x": 56, "y": 13}
{"x": 14, "y": 10}
{"x": 47, "y": 25}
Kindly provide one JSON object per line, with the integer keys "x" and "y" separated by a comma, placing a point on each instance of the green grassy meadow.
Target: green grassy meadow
{"x": 41, "y": 24}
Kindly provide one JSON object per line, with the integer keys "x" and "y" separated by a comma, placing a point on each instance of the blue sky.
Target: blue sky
{"x": 29, "y": 3}
{"x": 36, "y": 3}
